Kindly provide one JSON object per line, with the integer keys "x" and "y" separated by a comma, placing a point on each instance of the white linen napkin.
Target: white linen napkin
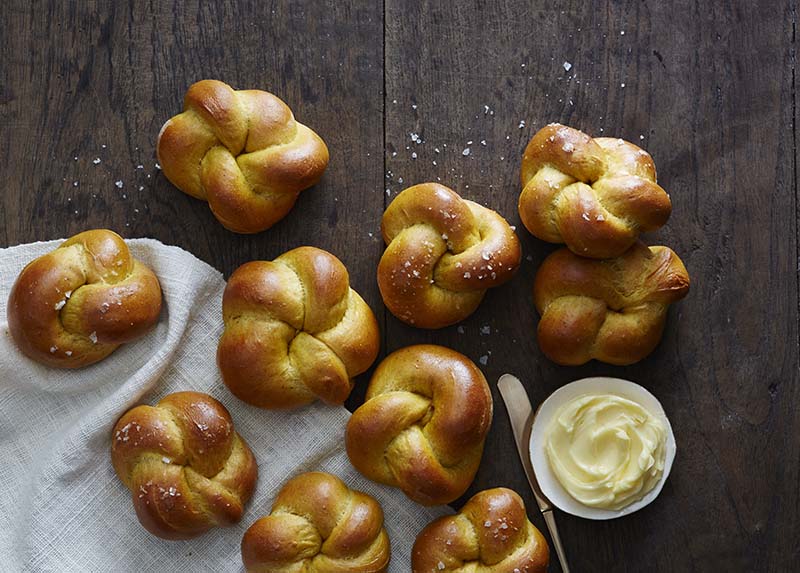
{"x": 63, "y": 509}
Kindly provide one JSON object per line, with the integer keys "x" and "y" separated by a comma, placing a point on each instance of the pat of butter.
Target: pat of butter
{"x": 605, "y": 450}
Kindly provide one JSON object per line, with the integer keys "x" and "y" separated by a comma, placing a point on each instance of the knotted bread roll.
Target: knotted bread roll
{"x": 595, "y": 195}
{"x": 186, "y": 467}
{"x": 491, "y": 534}
{"x": 318, "y": 524}
{"x": 442, "y": 253}
{"x": 294, "y": 331}
{"x": 423, "y": 424}
{"x": 611, "y": 310}
{"x": 75, "y": 305}
{"x": 243, "y": 152}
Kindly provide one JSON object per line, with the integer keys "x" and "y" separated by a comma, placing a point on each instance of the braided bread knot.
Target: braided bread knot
{"x": 294, "y": 331}
{"x": 186, "y": 467}
{"x": 595, "y": 195}
{"x": 75, "y": 305}
{"x": 611, "y": 310}
{"x": 243, "y": 152}
{"x": 491, "y": 534}
{"x": 443, "y": 252}
{"x": 318, "y": 524}
{"x": 423, "y": 424}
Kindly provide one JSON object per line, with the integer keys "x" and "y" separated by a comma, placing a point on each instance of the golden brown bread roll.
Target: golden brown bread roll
{"x": 611, "y": 310}
{"x": 75, "y": 305}
{"x": 595, "y": 195}
{"x": 491, "y": 534}
{"x": 243, "y": 152}
{"x": 318, "y": 524}
{"x": 294, "y": 331}
{"x": 423, "y": 424}
{"x": 442, "y": 253}
{"x": 186, "y": 467}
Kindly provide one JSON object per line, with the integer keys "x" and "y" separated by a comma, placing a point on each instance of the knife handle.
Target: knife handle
{"x": 550, "y": 520}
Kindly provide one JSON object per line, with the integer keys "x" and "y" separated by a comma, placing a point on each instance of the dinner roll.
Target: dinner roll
{"x": 185, "y": 466}
{"x": 611, "y": 310}
{"x": 423, "y": 424}
{"x": 443, "y": 252}
{"x": 491, "y": 534}
{"x": 75, "y": 305}
{"x": 243, "y": 152}
{"x": 318, "y": 524}
{"x": 294, "y": 331}
{"x": 595, "y": 195}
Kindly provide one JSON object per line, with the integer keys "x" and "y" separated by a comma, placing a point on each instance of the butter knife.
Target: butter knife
{"x": 521, "y": 415}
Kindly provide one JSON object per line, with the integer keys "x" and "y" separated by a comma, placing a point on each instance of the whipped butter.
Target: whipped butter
{"x": 605, "y": 450}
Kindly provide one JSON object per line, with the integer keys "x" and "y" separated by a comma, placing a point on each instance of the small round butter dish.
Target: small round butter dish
{"x": 545, "y": 417}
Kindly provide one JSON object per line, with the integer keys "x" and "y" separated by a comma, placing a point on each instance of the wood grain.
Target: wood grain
{"x": 708, "y": 92}
{"x": 707, "y": 88}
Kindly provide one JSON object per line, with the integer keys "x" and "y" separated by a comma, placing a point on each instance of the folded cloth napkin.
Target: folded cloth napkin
{"x": 63, "y": 509}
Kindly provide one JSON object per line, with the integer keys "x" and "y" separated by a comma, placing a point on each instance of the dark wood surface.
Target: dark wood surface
{"x": 707, "y": 88}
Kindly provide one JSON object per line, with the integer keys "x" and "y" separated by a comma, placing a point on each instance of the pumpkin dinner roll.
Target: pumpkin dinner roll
{"x": 185, "y": 466}
{"x": 611, "y": 310}
{"x": 594, "y": 194}
{"x": 423, "y": 424}
{"x": 443, "y": 252}
{"x": 243, "y": 152}
{"x": 491, "y": 534}
{"x": 318, "y": 524}
{"x": 294, "y": 331}
{"x": 75, "y": 305}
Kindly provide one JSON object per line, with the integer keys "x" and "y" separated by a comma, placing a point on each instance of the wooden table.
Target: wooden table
{"x": 707, "y": 88}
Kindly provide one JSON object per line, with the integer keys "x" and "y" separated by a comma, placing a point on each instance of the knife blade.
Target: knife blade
{"x": 521, "y": 415}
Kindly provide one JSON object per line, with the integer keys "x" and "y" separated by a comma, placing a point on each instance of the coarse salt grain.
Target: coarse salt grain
{"x": 465, "y": 152}
{"x": 96, "y": 160}
{"x": 567, "y": 66}
{"x": 119, "y": 184}
{"x": 60, "y": 304}
{"x": 93, "y": 337}
{"x": 484, "y": 360}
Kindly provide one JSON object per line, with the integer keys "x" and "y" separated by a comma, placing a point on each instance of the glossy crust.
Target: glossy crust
{"x": 318, "y": 524}
{"x": 186, "y": 467}
{"x": 75, "y": 305}
{"x": 595, "y": 195}
{"x": 491, "y": 534}
{"x": 442, "y": 253}
{"x": 243, "y": 152}
{"x": 294, "y": 331}
{"x": 612, "y": 310}
{"x": 423, "y": 424}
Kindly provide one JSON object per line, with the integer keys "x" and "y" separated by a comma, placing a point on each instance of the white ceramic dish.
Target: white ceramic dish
{"x": 548, "y": 481}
